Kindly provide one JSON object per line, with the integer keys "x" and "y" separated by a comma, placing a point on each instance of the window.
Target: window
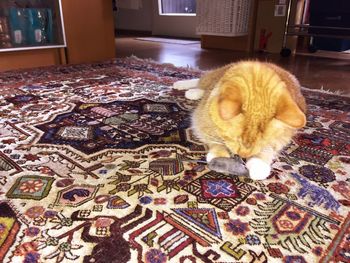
{"x": 177, "y": 7}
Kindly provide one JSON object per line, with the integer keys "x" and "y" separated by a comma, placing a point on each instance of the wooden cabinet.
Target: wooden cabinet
{"x": 31, "y": 58}
{"x": 86, "y": 35}
{"x": 275, "y": 25}
{"x": 89, "y": 26}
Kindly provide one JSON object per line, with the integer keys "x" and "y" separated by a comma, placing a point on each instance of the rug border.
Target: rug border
{"x": 338, "y": 93}
{"x": 192, "y": 69}
{"x": 196, "y": 69}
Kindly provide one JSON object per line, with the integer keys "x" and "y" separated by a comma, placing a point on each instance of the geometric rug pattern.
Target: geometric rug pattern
{"x": 98, "y": 163}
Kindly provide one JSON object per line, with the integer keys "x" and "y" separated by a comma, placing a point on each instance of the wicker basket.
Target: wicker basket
{"x": 223, "y": 17}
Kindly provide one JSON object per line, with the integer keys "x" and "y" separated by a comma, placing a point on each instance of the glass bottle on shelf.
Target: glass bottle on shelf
{"x": 5, "y": 39}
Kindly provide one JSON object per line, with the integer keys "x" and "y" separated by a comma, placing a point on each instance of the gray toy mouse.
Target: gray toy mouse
{"x": 232, "y": 166}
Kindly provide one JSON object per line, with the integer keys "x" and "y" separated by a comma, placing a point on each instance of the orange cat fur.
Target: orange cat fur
{"x": 248, "y": 108}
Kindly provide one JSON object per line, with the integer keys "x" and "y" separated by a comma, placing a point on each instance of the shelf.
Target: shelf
{"x": 305, "y": 34}
{"x": 30, "y": 25}
{"x": 30, "y": 48}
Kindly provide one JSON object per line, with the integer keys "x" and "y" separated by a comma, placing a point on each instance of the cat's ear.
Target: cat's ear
{"x": 289, "y": 112}
{"x": 229, "y": 104}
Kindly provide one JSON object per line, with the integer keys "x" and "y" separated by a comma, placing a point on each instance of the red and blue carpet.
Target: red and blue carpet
{"x": 95, "y": 166}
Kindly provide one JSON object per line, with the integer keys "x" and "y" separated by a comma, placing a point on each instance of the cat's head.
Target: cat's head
{"x": 248, "y": 125}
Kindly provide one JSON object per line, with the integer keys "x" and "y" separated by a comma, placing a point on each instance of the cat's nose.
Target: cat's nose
{"x": 244, "y": 153}
{"x": 248, "y": 145}
{"x": 247, "y": 152}
{"x": 247, "y": 141}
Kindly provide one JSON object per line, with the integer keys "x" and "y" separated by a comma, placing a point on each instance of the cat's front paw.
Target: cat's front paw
{"x": 194, "y": 94}
{"x": 210, "y": 156}
{"x": 217, "y": 151}
{"x": 258, "y": 169}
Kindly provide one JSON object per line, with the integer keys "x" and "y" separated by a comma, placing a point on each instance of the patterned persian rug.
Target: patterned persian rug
{"x": 98, "y": 164}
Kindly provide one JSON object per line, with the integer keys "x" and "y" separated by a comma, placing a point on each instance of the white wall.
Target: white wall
{"x": 139, "y": 20}
{"x": 148, "y": 19}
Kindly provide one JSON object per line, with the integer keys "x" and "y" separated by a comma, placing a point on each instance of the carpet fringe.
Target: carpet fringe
{"x": 327, "y": 91}
{"x": 196, "y": 69}
{"x": 188, "y": 67}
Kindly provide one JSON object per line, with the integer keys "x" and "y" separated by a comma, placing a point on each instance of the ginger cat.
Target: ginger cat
{"x": 248, "y": 108}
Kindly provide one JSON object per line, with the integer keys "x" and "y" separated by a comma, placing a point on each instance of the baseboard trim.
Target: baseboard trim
{"x": 128, "y": 32}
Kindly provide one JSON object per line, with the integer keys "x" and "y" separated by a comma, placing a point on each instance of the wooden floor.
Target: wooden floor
{"x": 312, "y": 71}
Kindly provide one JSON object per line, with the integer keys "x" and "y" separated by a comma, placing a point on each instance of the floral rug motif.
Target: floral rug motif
{"x": 98, "y": 164}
